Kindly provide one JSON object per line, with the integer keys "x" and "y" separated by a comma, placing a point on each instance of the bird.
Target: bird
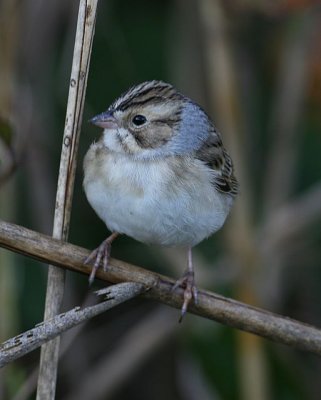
{"x": 159, "y": 174}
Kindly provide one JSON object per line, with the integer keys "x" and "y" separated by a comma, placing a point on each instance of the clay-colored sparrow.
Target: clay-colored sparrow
{"x": 159, "y": 174}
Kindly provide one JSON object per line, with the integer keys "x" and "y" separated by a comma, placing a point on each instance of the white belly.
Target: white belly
{"x": 154, "y": 201}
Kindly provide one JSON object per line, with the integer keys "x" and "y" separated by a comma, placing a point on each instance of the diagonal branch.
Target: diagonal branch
{"x": 210, "y": 305}
{"x": 24, "y": 343}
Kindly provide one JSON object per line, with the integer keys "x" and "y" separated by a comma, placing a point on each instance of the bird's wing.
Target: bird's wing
{"x": 214, "y": 155}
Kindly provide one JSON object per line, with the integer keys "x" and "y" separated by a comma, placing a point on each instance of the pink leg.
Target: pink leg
{"x": 101, "y": 253}
{"x": 188, "y": 283}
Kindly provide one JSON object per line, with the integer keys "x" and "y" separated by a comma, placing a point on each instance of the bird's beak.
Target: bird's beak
{"x": 105, "y": 120}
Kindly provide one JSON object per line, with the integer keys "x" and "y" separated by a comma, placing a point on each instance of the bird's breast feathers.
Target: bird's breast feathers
{"x": 167, "y": 201}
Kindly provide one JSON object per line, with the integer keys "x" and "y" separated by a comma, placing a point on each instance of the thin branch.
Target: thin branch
{"x": 56, "y": 277}
{"x": 28, "y": 387}
{"x": 210, "y": 305}
{"x": 30, "y": 340}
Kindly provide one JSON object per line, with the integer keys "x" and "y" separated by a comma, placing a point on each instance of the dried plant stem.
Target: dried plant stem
{"x": 210, "y": 305}
{"x": 22, "y": 344}
{"x": 224, "y": 94}
{"x": 56, "y": 276}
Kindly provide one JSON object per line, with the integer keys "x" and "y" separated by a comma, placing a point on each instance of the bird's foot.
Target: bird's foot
{"x": 101, "y": 253}
{"x": 187, "y": 282}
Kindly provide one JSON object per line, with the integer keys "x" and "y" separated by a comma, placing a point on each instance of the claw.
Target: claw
{"x": 187, "y": 282}
{"x": 190, "y": 291}
{"x": 101, "y": 253}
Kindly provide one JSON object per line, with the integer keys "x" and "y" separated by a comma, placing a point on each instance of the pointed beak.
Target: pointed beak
{"x": 105, "y": 120}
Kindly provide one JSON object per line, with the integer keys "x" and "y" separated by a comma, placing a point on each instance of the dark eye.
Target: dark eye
{"x": 139, "y": 120}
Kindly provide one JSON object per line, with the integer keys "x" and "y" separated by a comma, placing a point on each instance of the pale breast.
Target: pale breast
{"x": 167, "y": 201}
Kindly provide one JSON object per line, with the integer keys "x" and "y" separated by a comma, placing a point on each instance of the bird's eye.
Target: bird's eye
{"x": 139, "y": 120}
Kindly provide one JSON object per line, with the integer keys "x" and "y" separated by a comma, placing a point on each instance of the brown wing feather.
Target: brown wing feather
{"x": 213, "y": 154}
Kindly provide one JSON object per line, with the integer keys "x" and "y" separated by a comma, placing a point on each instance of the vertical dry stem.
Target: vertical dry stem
{"x": 224, "y": 94}
{"x": 56, "y": 276}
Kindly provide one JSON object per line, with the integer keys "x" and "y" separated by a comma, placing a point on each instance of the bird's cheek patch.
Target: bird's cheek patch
{"x": 156, "y": 136}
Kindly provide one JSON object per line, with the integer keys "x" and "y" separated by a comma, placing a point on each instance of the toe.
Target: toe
{"x": 195, "y": 294}
{"x": 188, "y": 294}
{"x": 190, "y": 291}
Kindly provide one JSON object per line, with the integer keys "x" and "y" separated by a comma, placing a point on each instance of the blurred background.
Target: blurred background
{"x": 255, "y": 66}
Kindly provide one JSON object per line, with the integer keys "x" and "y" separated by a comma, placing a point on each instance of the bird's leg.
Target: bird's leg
{"x": 101, "y": 253}
{"x": 188, "y": 283}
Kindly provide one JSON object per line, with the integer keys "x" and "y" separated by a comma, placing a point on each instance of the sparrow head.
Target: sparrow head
{"x": 153, "y": 120}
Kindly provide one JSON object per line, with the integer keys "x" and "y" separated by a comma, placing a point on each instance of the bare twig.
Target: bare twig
{"x": 210, "y": 305}
{"x": 22, "y": 344}
{"x": 28, "y": 387}
{"x": 77, "y": 89}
